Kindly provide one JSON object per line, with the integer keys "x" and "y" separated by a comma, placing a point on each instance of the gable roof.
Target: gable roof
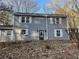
{"x": 39, "y": 15}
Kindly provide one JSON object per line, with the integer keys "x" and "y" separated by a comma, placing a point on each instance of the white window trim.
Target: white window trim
{"x": 30, "y": 19}
{"x": 61, "y": 33}
{"x": 26, "y": 19}
{"x": 0, "y": 32}
{"x": 20, "y": 19}
{"x": 12, "y": 33}
{"x": 51, "y": 20}
{"x": 5, "y": 33}
{"x": 27, "y": 32}
{"x": 60, "y": 20}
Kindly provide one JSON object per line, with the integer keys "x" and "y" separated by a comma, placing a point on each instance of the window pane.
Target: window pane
{"x": 57, "y": 20}
{"x": 27, "y": 19}
{"x": 58, "y": 32}
{"x": 23, "y": 19}
{"x": 53, "y": 20}
{"x": 23, "y": 32}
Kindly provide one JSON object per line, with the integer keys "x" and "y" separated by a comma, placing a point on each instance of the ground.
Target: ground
{"x": 39, "y": 50}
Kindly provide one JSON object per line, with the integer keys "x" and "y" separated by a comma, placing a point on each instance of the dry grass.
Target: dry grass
{"x": 38, "y": 50}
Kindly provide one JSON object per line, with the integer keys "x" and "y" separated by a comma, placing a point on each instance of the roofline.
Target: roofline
{"x": 39, "y": 14}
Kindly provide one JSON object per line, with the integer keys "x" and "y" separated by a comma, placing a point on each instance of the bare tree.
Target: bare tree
{"x": 24, "y": 5}
{"x": 56, "y": 4}
{"x": 52, "y": 5}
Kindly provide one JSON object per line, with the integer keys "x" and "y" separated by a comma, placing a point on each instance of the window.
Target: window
{"x": 24, "y": 32}
{"x": 24, "y": 19}
{"x": 58, "y": 33}
{"x": 55, "y": 20}
{"x": 9, "y": 32}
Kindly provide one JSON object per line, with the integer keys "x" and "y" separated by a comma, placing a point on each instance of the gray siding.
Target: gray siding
{"x": 39, "y": 23}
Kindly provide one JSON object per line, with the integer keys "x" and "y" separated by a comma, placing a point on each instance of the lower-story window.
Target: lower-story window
{"x": 9, "y": 33}
{"x": 58, "y": 33}
{"x": 6, "y": 32}
{"x": 24, "y": 31}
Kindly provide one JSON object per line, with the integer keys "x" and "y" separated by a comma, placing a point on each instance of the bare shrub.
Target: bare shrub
{"x": 47, "y": 47}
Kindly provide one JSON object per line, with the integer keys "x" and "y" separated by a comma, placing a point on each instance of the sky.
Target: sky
{"x": 41, "y": 4}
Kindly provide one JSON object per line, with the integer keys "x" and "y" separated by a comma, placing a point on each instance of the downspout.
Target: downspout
{"x": 47, "y": 28}
{"x": 13, "y": 27}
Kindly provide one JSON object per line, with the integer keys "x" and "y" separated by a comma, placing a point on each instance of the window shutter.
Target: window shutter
{"x": 5, "y": 33}
{"x": 30, "y": 19}
{"x": 20, "y": 19}
{"x": 60, "y": 20}
{"x": 61, "y": 33}
{"x": 55, "y": 20}
{"x": 55, "y": 33}
{"x": 51, "y": 20}
{"x": 27, "y": 32}
{"x": 12, "y": 33}
{"x": 0, "y": 32}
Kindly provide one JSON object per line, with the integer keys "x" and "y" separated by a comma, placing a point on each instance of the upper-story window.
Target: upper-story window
{"x": 24, "y": 19}
{"x": 55, "y": 20}
{"x": 27, "y": 19}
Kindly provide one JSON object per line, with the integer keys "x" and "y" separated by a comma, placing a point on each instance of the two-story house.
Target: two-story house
{"x": 34, "y": 26}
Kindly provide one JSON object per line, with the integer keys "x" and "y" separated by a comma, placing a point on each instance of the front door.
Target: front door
{"x": 41, "y": 35}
